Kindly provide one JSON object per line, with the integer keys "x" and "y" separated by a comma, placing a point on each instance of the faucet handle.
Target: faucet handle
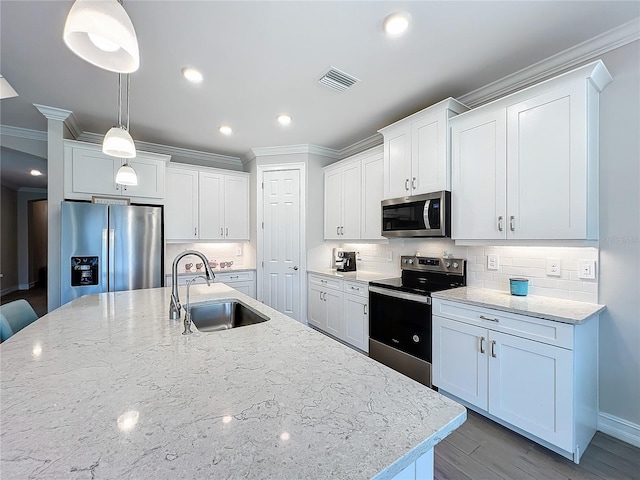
{"x": 187, "y": 323}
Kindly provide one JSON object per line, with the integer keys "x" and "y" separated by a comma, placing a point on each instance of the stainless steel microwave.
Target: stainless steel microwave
{"x": 427, "y": 215}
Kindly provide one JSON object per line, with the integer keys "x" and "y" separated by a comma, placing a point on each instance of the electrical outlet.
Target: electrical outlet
{"x": 239, "y": 251}
{"x": 493, "y": 262}
{"x": 587, "y": 269}
{"x": 553, "y": 267}
{"x": 358, "y": 256}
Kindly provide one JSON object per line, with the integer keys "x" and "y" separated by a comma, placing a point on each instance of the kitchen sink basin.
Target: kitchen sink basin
{"x": 224, "y": 314}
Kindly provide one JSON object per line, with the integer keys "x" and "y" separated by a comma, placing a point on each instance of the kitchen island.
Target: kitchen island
{"x": 108, "y": 387}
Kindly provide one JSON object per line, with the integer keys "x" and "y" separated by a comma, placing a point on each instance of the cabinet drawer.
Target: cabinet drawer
{"x": 546, "y": 331}
{"x": 228, "y": 277}
{"x": 356, "y": 288}
{"x": 326, "y": 282}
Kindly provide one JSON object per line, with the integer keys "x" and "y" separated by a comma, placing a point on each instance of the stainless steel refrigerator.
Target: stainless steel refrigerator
{"x": 108, "y": 248}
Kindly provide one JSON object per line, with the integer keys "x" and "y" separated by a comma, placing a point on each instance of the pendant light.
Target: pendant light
{"x": 118, "y": 142}
{"x": 101, "y": 32}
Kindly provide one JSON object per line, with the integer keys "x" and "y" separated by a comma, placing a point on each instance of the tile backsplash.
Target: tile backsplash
{"x": 241, "y": 254}
{"x": 527, "y": 262}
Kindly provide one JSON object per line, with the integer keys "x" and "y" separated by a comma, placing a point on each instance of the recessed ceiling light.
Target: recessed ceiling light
{"x": 225, "y": 130}
{"x": 192, "y": 74}
{"x": 35, "y": 173}
{"x": 396, "y": 23}
{"x": 284, "y": 119}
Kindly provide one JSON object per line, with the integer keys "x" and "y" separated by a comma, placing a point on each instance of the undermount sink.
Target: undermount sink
{"x": 223, "y": 315}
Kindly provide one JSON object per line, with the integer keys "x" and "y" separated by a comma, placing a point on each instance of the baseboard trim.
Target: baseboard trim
{"x": 619, "y": 428}
{"x": 8, "y": 290}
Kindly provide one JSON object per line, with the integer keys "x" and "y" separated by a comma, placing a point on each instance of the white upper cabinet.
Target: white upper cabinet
{"x": 526, "y": 166}
{"x": 416, "y": 151}
{"x": 181, "y": 206}
{"x": 89, "y": 172}
{"x": 372, "y": 169}
{"x": 479, "y": 175}
{"x": 206, "y": 204}
{"x": 352, "y": 195}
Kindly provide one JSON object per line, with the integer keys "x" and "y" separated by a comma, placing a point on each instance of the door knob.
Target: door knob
{"x": 294, "y": 268}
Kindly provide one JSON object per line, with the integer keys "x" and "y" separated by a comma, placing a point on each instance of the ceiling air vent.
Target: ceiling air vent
{"x": 337, "y": 80}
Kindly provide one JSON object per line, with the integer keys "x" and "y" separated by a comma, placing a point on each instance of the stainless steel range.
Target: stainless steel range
{"x": 400, "y": 313}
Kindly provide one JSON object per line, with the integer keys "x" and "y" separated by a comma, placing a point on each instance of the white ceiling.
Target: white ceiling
{"x": 263, "y": 58}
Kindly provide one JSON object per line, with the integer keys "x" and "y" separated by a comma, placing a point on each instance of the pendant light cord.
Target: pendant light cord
{"x": 119, "y": 99}
{"x": 128, "y": 88}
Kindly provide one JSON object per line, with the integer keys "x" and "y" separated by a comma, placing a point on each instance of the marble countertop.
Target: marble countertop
{"x": 358, "y": 275}
{"x": 548, "y": 308}
{"x": 107, "y": 387}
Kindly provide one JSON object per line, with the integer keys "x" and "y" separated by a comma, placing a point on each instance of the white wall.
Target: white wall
{"x": 619, "y": 236}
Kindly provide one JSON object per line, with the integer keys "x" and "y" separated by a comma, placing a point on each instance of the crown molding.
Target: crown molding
{"x": 373, "y": 141}
{"x": 26, "y": 133}
{"x": 293, "y": 149}
{"x": 187, "y": 153}
{"x": 551, "y": 66}
{"x": 73, "y": 125}
{"x": 53, "y": 113}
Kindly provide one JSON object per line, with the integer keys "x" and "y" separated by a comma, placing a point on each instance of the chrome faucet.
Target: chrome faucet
{"x": 174, "y": 306}
{"x": 187, "y": 309}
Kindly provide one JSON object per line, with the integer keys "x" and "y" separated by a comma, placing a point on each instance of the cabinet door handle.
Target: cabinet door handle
{"x": 320, "y": 295}
{"x": 406, "y": 184}
{"x": 221, "y": 232}
{"x": 493, "y": 348}
{"x": 355, "y": 288}
{"x": 481, "y": 342}
{"x": 490, "y": 319}
{"x": 500, "y": 223}
{"x": 341, "y": 230}
{"x": 324, "y": 294}
{"x": 234, "y": 276}
{"x": 365, "y": 308}
{"x": 227, "y": 232}
{"x": 512, "y": 224}
{"x": 413, "y": 183}
{"x": 195, "y": 231}
{"x": 337, "y": 230}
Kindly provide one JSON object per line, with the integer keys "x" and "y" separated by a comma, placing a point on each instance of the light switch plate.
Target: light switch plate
{"x": 554, "y": 267}
{"x": 587, "y": 269}
{"x": 493, "y": 262}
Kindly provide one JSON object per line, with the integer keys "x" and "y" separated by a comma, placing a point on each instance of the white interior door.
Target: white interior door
{"x": 281, "y": 254}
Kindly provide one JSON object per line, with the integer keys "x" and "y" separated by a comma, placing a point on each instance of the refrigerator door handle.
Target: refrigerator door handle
{"x": 104, "y": 269}
{"x": 112, "y": 260}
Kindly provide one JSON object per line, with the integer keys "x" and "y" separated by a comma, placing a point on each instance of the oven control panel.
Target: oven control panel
{"x": 432, "y": 264}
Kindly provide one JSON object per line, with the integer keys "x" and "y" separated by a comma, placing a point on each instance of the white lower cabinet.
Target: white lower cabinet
{"x": 340, "y": 308}
{"x": 535, "y": 376}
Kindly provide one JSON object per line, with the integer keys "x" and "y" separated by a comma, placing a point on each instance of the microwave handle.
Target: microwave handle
{"x": 425, "y": 213}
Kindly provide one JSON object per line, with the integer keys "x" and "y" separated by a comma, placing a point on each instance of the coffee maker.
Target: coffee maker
{"x": 348, "y": 262}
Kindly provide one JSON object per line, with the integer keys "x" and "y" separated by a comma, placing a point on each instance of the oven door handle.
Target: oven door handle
{"x": 403, "y": 295}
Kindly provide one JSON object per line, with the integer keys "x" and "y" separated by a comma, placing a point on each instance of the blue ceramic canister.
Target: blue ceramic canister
{"x": 519, "y": 286}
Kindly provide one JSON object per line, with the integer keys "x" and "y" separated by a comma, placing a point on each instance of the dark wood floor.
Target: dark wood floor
{"x": 37, "y": 297}
{"x": 482, "y": 449}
